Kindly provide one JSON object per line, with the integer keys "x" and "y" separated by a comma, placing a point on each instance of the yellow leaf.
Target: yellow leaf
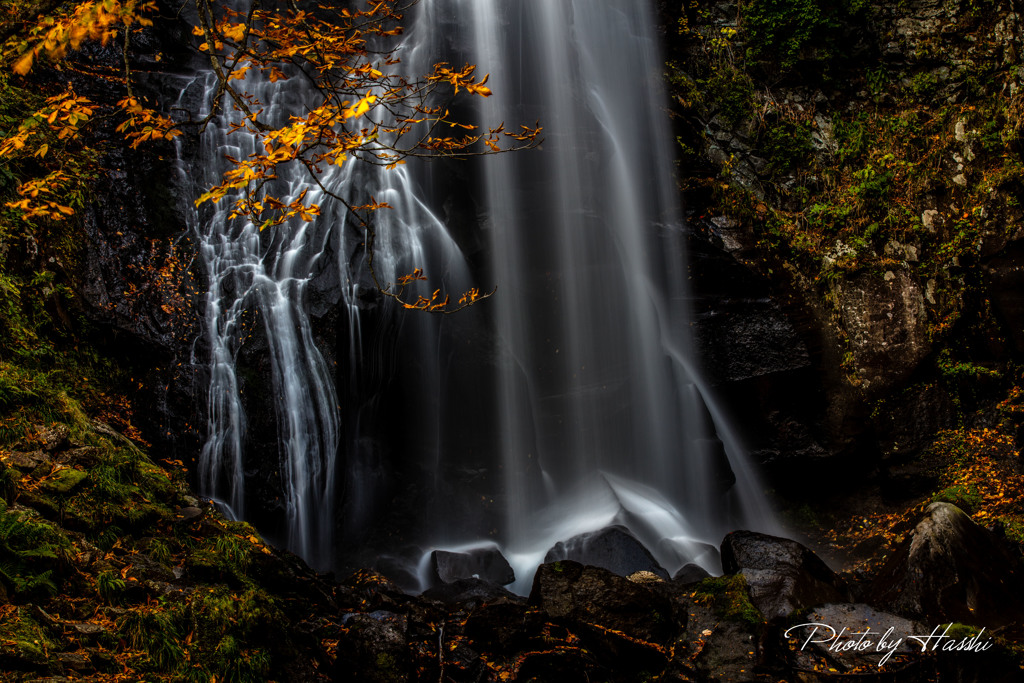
{"x": 43, "y": 149}
{"x": 24, "y": 64}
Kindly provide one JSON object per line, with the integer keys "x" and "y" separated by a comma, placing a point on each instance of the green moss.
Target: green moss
{"x": 1014, "y": 527}
{"x": 965, "y": 496}
{"x": 730, "y": 598}
{"x": 23, "y": 636}
{"x": 30, "y": 553}
{"x": 385, "y": 663}
{"x": 64, "y": 481}
{"x": 959, "y": 631}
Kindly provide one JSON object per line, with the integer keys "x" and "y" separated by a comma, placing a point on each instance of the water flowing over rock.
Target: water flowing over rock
{"x": 614, "y": 549}
{"x": 951, "y": 569}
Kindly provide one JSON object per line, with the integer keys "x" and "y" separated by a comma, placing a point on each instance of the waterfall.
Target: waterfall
{"x": 603, "y": 416}
{"x": 599, "y": 413}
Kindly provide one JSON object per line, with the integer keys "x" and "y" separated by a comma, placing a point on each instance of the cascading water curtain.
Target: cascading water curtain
{"x": 603, "y": 416}
{"x": 268, "y": 275}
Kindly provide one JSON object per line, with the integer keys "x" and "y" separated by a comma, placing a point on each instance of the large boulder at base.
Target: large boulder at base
{"x": 951, "y": 569}
{"x": 570, "y": 591}
{"x": 506, "y": 627}
{"x": 468, "y": 592}
{"x": 613, "y": 548}
{"x": 782, "y": 575}
{"x": 374, "y": 650}
{"x": 487, "y": 564}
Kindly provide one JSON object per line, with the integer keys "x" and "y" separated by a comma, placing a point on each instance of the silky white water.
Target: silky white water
{"x": 600, "y": 415}
{"x": 603, "y": 417}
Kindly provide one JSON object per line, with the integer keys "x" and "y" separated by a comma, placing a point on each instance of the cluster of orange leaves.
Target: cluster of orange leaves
{"x": 52, "y": 132}
{"x": 53, "y": 36}
{"x": 367, "y": 110}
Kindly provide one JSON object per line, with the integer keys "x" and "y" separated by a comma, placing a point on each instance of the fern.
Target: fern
{"x": 155, "y": 634}
{"x": 110, "y": 586}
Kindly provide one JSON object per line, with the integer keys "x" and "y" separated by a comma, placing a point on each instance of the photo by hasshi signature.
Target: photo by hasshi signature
{"x": 887, "y": 642}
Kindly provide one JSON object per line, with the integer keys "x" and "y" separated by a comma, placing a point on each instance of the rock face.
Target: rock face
{"x": 951, "y": 569}
{"x": 612, "y": 548}
{"x": 487, "y": 564}
{"x": 886, "y": 323}
{"x": 782, "y": 575}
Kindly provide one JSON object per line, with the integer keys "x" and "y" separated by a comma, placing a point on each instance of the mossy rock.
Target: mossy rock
{"x": 24, "y": 642}
{"x": 64, "y": 481}
{"x": 730, "y": 598}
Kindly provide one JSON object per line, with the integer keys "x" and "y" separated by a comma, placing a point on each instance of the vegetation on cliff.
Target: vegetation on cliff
{"x": 865, "y": 160}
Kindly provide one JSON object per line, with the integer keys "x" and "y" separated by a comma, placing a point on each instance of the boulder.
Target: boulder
{"x": 185, "y": 515}
{"x": 27, "y": 462}
{"x": 690, "y": 573}
{"x": 570, "y": 591}
{"x": 63, "y": 481}
{"x": 782, "y": 575}
{"x": 613, "y": 548}
{"x": 54, "y": 437}
{"x": 374, "y": 650}
{"x": 487, "y": 564}
{"x": 468, "y": 592}
{"x": 85, "y": 456}
{"x": 951, "y": 569}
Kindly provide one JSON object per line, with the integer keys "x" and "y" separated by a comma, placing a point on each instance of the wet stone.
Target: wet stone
{"x": 782, "y": 575}
{"x": 75, "y": 661}
{"x": 486, "y": 564}
{"x": 187, "y": 515}
{"x": 613, "y": 548}
{"x": 88, "y": 629}
{"x": 26, "y": 461}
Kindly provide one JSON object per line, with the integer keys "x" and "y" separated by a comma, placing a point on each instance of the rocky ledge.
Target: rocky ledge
{"x": 111, "y": 570}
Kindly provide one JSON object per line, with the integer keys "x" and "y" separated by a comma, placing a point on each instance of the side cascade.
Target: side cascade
{"x": 267, "y": 276}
